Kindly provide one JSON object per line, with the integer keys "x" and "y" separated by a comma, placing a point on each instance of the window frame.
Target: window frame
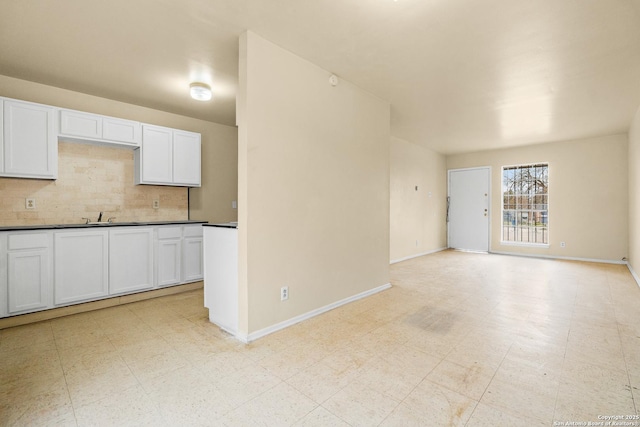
{"x": 502, "y": 205}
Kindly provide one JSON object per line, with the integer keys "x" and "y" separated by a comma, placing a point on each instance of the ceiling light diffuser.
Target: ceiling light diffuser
{"x": 200, "y": 91}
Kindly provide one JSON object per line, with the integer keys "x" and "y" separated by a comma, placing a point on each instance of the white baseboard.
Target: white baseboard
{"x": 564, "y": 258}
{"x": 278, "y": 326}
{"x": 394, "y": 261}
{"x": 633, "y": 274}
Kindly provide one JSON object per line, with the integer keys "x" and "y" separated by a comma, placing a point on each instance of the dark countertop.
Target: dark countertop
{"x": 101, "y": 225}
{"x": 223, "y": 225}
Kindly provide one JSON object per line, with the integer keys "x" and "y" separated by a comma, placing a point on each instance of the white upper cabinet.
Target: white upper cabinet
{"x": 168, "y": 157}
{"x": 154, "y": 159}
{"x": 29, "y": 136}
{"x": 1, "y": 136}
{"x": 29, "y": 144}
{"x": 80, "y": 126}
{"x": 125, "y": 131}
{"x": 186, "y": 158}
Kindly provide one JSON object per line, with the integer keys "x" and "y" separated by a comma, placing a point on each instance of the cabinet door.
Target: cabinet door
{"x": 130, "y": 260}
{"x": 30, "y": 140}
{"x": 1, "y": 136}
{"x": 156, "y": 155}
{"x": 169, "y": 257}
{"x": 81, "y": 266}
{"x": 193, "y": 262}
{"x": 82, "y": 125}
{"x": 186, "y": 158}
{"x": 28, "y": 280}
{"x": 119, "y": 130}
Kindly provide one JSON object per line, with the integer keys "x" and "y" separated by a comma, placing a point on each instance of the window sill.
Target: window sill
{"x": 526, "y": 244}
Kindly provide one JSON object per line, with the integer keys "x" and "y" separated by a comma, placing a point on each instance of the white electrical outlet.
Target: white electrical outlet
{"x": 30, "y": 203}
{"x": 284, "y": 293}
{"x": 562, "y": 244}
{"x": 156, "y": 204}
{"x": 234, "y": 205}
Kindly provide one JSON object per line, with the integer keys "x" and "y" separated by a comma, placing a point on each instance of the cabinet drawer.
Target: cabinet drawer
{"x": 27, "y": 241}
{"x": 193, "y": 231}
{"x": 169, "y": 233}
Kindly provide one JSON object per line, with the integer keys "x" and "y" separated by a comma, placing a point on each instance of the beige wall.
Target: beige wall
{"x": 634, "y": 193}
{"x": 587, "y": 195}
{"x": 314, "y": 212}
{"x": 417, "y": 217}
{"x": 80, "y": 164}
{"x": 213, "y": 201}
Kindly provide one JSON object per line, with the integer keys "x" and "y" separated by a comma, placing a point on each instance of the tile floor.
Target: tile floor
{"x": 460, "y": 339}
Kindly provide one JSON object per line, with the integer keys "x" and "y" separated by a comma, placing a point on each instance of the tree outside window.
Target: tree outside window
{"x": 525, "y": 204}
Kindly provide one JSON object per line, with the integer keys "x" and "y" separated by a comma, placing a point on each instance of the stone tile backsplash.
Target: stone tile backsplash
{"x": 91, "y": 179}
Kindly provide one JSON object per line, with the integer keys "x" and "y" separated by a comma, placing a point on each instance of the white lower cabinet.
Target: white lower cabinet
{"x": 169, "y": 248}
{"x": 193, "y": 269}
{"x": 53, "y": 268}
{"x": 81, "y": 266}
{"x": 28, "y": 272}
{"x": 130, "y": 259}
{"x": 28, "y": 280}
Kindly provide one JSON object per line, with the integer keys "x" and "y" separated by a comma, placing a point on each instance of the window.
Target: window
{"x": 525, "y": 204}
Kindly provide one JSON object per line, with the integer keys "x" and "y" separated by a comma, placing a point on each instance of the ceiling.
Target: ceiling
{"x": 461, "y": 75}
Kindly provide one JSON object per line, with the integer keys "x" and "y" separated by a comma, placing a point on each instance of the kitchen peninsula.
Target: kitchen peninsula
{"x": 221, "y": 274}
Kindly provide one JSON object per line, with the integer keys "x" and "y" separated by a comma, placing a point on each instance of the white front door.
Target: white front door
{"x": 468, "y": 209}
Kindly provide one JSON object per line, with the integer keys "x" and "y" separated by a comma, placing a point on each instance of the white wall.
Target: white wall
{"x": 417, "y": 217}
{"x": 588, "y": 195}
{"x": 313, "y": 187}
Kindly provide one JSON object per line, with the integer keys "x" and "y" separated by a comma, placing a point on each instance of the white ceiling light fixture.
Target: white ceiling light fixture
{"x": 200, "y": 91}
